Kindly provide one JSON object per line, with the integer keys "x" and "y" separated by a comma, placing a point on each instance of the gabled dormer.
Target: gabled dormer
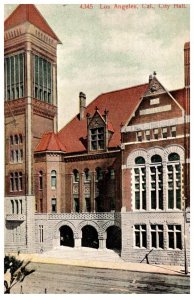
{"x": 99, "y": 131}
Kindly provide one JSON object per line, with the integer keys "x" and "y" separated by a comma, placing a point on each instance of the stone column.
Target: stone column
{"x": 77, "y": 242}
{"x": 102, "y": 244}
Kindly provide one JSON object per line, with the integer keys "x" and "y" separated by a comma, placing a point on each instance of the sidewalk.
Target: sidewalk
{"x": 136, "y": 267}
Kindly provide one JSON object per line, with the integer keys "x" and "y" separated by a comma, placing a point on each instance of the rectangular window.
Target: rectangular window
{"x": 42, "y": 79}
{"x": 139, "y": 136}
{"x": 88, "y": 204}
{"x": 174, "y": 186}
{"x": 97, "y": 137}
{"x": 157, "y": 236}
{"x": 140, "y": 187}
{"x": 147, "y": 134}
{"x": 156, "y": 176}
{"x": 173, "y": 131}
{"x": 76, "y": 204}
{"x": 140, "y": 236}
{"x": 174, "y": 237}
{"x": 41, "y": 236}
{"x": 156, "y": 132}
{"x": 54, "y": 205}
{"x": 13, "y": 76}
{"x": 164, "y": 133}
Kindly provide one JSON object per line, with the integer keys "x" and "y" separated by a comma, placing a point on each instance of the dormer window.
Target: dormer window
{"x": 97, "y": 138}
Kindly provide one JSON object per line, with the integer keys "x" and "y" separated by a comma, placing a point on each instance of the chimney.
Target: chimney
{"x": 82, "y": 105}
{"x": 187, "y": 63}
{"x": 150, "y": 78}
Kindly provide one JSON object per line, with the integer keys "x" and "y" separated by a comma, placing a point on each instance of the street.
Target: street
{"x": 62, "y": 279}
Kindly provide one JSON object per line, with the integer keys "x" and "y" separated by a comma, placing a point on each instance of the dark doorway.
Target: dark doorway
{"x": 66, "y": 236}
{"x": 90, "y": 237}
{"x": 113, "y": 240}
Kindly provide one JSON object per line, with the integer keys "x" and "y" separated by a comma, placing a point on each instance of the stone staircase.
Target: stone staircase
{"x": 83, "y": 253}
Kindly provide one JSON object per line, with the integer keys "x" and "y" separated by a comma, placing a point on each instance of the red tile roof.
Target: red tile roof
{"x": 29, "y": 12}
{"x": 50, "y": 142}
{"x": 120, "y": 105}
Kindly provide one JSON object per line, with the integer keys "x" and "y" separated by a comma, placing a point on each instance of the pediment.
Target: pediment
{"x": 154, "y": 88}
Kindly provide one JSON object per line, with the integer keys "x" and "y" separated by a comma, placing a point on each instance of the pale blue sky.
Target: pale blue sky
{"x": 110, "y": 49}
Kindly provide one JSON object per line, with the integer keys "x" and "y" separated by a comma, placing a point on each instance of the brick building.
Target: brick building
{"x": 116, "y": 176}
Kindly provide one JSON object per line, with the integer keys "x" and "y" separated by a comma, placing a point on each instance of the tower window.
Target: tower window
{"x": 155, "y": 131}
{"x": 53, "y": 179}
{"x": 54, "y": 205}
{"x": 173, "y": 131}
{"x": 164, "y": 132}
{"x": 139, "y": 136}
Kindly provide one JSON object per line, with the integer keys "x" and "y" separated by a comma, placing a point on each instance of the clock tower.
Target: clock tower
{"x": 30, "y": 94}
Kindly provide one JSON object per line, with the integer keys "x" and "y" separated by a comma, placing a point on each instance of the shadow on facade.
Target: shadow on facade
{"x": 114, "y": 238}
{"x": 66, "y": 236}
{"x": 90, "y": 237}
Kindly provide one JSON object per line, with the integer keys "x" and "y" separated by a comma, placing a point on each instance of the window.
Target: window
{"x": 54, "y": 205}
{"x": 112, "y": 174}
{"x": 41, "y": 206}
{"x": 173, "y": 131}
{"x": 86, "y": 175}
{"x": 76, "y": 204}
{"x": 40, "y": 180}
{"x": 75, "y": 176}
{"x": 147, "y": 135}
{"x": 20, "y": 181}
{"x": 174, "y": 181}
{"x": 53, "y": 179}
{"x": 21, "y": 207}
{"x": 97, "y": 138}
{"x": 42, "y": 80}
{"x": 140, "y": 183}
{"x": 11, "y": 182}
{"x": 16, "y": 149}
{"x": 140, "y": 236}
{"x": 11, "y": 140}
{"x": 155, "y": 131}
{"x": 139, "y": 136}
{"x": 99, "y": 174}
{"x": 16, "y": 181}
{"x": 17, "y": 207}
{"x": 157, "y": 236}
{"x": 14, "y": 76}
{"x": 174, "y": 237}
{"x": 12, "y": 206}
{"x": 164, "y": 133}
{"x": 41, "y": 233}
{"x": 16, "y": 139}
{"x": 88, "y": 204}
{"x": 156, "y": 179}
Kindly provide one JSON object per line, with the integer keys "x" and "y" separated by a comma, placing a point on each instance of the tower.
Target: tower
{"x": 30, "y": 68}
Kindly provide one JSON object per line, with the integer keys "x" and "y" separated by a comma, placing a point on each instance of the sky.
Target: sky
{"x": 106, "y": 49}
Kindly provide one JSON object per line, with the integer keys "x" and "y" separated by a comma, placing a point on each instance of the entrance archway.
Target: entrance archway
{"x": 90, "y": 237}
{"x": 113, "y": 240}
{"x": 66, "y": 236}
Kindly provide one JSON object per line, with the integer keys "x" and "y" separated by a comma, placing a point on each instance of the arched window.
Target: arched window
{"x": 17, "y": 207}
{"x": 20, "y": 139}
{"x": 16, "y": 181}
{"x": 139, "y": 160}
{"x": 11, "y": 182}
{"x": 174, "y": 181}
{"x": 40, "y": 180}
{"x": 53, "y": 179}
{"x": 99, "y": 174}
{"x": 156, "y": 176}
{"x": 140, "y": 183}
{"x": 12, "y": 206}
{"x": 16, "y": 139}
{"x": 20, "y": 181}
{"x": 75, "y": 175}
{"x": 111, "y": 173}
{"x": 86, "y": 175}
{"x": 11, "y": 139}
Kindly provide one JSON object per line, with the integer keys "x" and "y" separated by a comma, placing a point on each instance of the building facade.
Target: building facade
{"x": 116, "y": 176}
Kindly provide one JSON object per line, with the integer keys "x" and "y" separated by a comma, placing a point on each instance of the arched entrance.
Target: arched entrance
{"x": 90, "y": 237}
{"x": 113, "y": 240}
{"x": 66, "y": 236}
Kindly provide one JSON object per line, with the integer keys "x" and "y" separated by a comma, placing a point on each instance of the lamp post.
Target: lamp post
{"x": 185, "y": 238}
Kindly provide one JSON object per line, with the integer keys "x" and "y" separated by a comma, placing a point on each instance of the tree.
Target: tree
{"x": 15, "y": 271}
